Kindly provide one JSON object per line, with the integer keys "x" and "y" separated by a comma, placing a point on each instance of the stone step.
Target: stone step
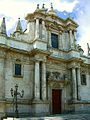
{"x": 61, "y": 117}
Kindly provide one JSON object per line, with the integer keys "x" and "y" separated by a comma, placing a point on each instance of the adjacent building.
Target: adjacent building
{"x": 47, "y": 63}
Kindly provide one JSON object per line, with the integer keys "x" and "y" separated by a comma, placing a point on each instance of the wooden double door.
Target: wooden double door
{"x": 56, "y": 101}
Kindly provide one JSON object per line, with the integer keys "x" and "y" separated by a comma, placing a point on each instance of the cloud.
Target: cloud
{"x": 13, "y": 9}
{"x": 64, "y": 5}
{"x": 83, "y": 19}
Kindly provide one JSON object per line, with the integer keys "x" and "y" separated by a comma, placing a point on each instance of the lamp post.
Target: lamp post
{"x": 15, "y": 94}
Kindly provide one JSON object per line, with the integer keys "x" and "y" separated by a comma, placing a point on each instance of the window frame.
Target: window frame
{"x": 54, "y": 42}
{"x": 83, "y": 79}
{"x": 18, "y": 62}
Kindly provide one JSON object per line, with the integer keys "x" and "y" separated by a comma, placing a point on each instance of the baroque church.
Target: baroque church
{"x": 43, "y": 68}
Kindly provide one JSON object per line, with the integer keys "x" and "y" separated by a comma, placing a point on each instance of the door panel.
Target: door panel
{"x": 56, "y": 101}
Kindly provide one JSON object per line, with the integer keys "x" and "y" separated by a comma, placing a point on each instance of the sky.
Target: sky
{"x": 78, "y": 9}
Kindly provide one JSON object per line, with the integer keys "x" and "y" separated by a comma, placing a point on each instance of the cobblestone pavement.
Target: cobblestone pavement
{"x": 57, "y": 117}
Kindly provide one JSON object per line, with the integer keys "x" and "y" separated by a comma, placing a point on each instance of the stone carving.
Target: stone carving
{"x": 56, "y": 76}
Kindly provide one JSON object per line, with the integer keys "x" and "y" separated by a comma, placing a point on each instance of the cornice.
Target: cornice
{"x": 38, "y": 51}
{"x": 73, "y": 59}
{"x": 66, "y": 22}
{"x": 51, "y": 58}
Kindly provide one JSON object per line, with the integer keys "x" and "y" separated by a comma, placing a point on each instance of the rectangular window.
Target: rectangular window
{"x": 17, "y": 69}
{"x": 83, "y": 79}
{"x": 54, "y": 40}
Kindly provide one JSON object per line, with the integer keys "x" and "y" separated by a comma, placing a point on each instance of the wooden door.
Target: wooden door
{"x": 56, "y": 101}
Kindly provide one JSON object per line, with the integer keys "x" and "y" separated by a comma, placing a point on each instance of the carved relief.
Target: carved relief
{"x": 56, "y": 76}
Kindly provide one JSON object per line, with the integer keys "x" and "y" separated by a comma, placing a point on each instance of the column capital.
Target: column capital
{"x": 74, "y": 65}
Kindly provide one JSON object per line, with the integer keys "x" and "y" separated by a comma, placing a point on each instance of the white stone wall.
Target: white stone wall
{"x": 24, "y": 82}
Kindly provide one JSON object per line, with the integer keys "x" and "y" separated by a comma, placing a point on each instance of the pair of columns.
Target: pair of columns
{"x": 37, "y": 81}
{"x": 76, "y": 83}
{"x": 37, "y": 30}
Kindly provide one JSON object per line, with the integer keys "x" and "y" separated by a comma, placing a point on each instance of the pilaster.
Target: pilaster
{"x": 43, "y": 81}
{"x": 60, "y": 42}
{"x": 37, "y": 81}
{"x": 37, "y": 29}
{"x": 74, "y": 84}
{"x": 79, "y": 82}
{"x": 71, "y": 39}
{"x": 50, "y": 44}
{"x": 2, "y": 78}
{"x": 43, "y": 30}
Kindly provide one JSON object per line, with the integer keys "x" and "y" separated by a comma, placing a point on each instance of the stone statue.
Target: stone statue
{"x": 88, "y": 49}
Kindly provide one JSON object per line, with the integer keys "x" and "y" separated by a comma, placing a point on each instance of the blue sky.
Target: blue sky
{"x": 79, "y": 9}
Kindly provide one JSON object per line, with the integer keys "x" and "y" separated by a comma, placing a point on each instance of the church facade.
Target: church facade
{"x": 45, "y": 62}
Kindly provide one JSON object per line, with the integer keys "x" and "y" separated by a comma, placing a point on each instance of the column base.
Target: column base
{"x": 40, "y": 108}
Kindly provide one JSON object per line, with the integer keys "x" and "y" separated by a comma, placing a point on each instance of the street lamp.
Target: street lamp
{"x": 15, "y": 94}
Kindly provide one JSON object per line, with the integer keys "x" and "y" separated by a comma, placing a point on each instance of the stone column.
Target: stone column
{"x": 43, "y": 81}
{"x": 71, "y": 39}
{"x": 37, "y": 81}
{"x": 79, "y": 82}
{"x": 2, "y": 78}
{"x": 37, "y": 29}
{"x": 43, "y": 30}
{"x": 74, "y": 84}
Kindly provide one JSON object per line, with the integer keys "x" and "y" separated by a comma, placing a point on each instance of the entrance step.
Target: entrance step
{"x": 57, "y": 117}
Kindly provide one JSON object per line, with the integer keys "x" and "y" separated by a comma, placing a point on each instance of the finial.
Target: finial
{"x": 51, "y": 6}
{"x": 3, "y": 27}
{"x": 19, "y": 27}
{"x": 37, "y": 6}
{"x": 43, "y": 6}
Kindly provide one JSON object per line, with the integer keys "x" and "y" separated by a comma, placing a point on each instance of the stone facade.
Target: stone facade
{"x": 45, "y": 68}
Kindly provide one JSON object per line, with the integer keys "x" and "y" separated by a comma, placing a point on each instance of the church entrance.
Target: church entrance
{"x": 56, "y": 101}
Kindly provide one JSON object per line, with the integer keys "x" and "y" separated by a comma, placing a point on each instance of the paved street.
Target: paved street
{"x": 57, "y": 117}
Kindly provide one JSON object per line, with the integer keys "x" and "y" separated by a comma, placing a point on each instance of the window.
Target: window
{"x": 83, "y": 79}
{"x": 54, "y": 40}
{"x": 18, "y": 69}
